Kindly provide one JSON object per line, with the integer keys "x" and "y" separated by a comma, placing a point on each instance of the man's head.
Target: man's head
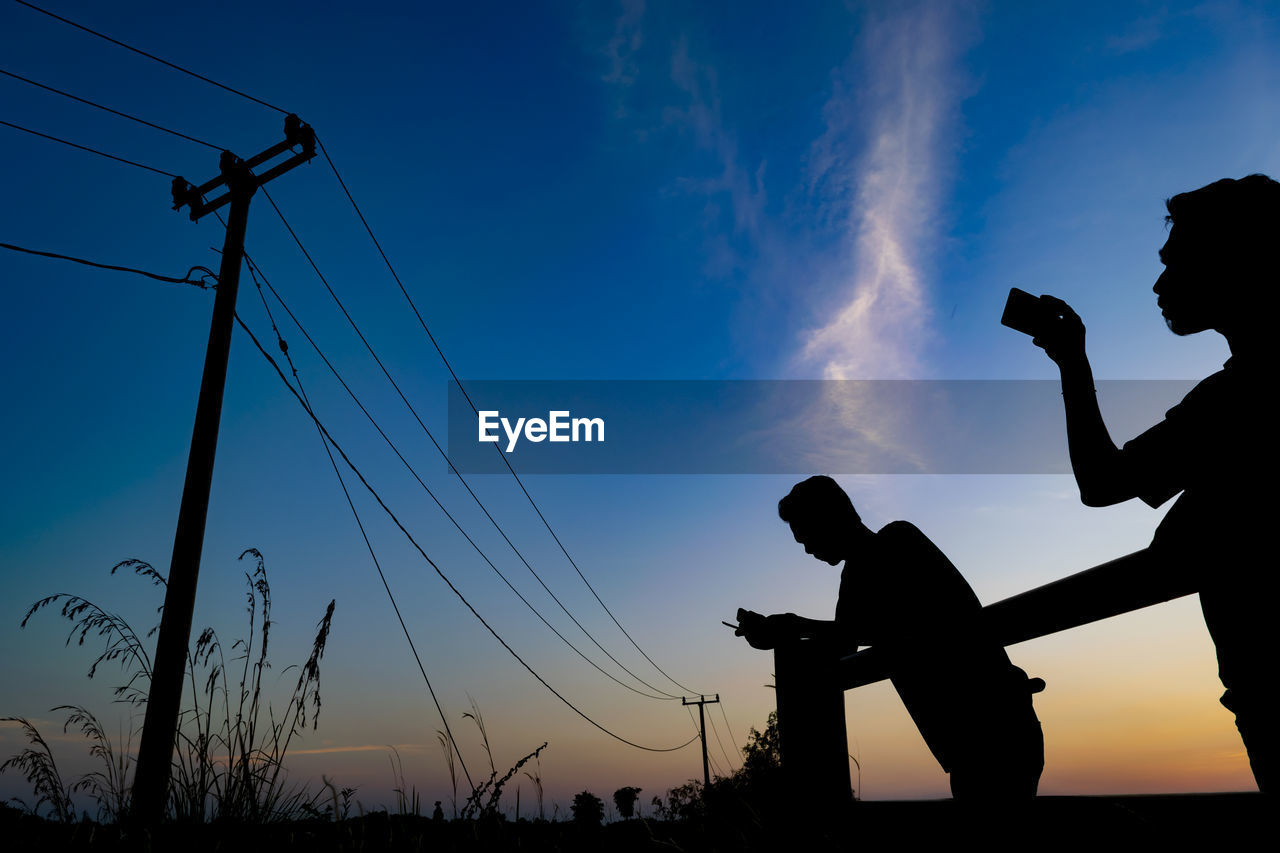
{"x": 821, "y": 517}
{"x": 1220, "y": 268}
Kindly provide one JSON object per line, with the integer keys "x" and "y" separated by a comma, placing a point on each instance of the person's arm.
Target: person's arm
{"x": 1099, "y": 466}
{"x": 767, "y": 632}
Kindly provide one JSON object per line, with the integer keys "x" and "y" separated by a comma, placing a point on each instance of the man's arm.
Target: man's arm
{"x": 767, "y": 632}
{"x": 1099, "y": 466}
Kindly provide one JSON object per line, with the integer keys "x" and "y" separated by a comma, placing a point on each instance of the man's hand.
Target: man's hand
{"x": 1063, "y": 337}
{"x": 767, "y": 632}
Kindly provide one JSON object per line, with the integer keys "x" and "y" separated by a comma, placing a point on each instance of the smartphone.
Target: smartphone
{"x": 1025, "y": 313}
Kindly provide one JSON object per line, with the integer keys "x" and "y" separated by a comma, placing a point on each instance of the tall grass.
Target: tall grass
{"x": 477, "y": 806}
{"x": 446, "y": 745}
{"x": 38, "y": 767}
{"x": 536, "y": 778}
{"x": 230, "y": 744}
{"x": 484, "y": 800}
{"x": 408, "y": 801}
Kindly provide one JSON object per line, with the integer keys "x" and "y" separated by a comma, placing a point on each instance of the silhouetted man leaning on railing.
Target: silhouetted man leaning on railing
{"x": 1218, "y": 446}
{"x": 900, "y": 595}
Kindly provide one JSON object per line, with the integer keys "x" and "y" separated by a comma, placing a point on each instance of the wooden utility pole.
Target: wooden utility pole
{"x": 155, "y": 752}
{"x": 702, "y": 730}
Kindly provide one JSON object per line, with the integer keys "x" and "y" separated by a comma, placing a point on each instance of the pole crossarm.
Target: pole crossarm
{"x": 297, "y": 134}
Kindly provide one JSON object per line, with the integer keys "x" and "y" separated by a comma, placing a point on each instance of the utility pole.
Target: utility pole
{"x": 702, "y": 730}
{"x": 155, "y": 752}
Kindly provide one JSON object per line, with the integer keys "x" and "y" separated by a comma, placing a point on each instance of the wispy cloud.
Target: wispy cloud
{"x": 372, "y": 747}
{"x": 1140, "y": 34}
{"x": 883, "y": 162}
{"x": 667, "y": 90}
{"x": 621, "y": 49}
{"x": 735, "y": 186}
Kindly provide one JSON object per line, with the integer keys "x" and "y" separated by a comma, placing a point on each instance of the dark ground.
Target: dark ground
{"x": 1052, "y": 823}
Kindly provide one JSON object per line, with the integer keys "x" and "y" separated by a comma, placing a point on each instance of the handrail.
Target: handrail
{"x": 1123, "y": 585}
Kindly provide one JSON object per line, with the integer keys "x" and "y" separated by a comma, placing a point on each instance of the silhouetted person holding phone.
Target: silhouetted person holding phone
{"x": 901, "y": 595}
{"x": 1217, "y": 447}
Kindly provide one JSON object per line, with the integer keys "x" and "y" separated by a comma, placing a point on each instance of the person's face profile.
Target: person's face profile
{"x": 1185, "y": 289}
{"x": 817, "y": 542}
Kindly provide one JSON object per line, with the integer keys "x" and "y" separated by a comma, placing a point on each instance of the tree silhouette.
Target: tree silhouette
{"x": 755, "y": 788}
{"x": 625, "y": 800}
{"x": 761, "y": 755}
{"x": 588, "y": 809}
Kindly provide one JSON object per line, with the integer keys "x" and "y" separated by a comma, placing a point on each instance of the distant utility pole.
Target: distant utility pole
{"x": 702, "y": 730}
{"x": 155, "y": 752}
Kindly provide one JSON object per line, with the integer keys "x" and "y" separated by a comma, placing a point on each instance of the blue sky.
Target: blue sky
{"x": 604, "y": 191}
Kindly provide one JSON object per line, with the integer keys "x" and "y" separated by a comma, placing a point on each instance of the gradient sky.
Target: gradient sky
{"x": 601, "y": 191}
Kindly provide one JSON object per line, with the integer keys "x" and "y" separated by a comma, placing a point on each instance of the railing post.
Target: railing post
{"x": 811, "y": 729}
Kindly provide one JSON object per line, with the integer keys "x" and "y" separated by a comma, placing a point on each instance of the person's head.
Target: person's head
{"x": 1220, "y": 268}
{"x": 821, "y": 517}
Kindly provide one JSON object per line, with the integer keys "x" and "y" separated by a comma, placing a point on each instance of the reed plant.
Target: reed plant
{"x": 231, "y": 743}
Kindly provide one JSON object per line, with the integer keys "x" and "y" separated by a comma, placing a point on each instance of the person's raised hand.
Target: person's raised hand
{"x": 1062, "y": 337}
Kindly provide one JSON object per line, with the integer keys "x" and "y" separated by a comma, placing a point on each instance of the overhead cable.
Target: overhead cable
{"x": 711, "y": 722}
{"x": 528, "y": 496}
{"x": 461, "y": 388}
{"x": 441, "y": 450}
{"x": 87, "y": 148}
{"x": 284, "y": 348}
{"x": 256, "y": 271}
{"x": 187, "y": 279}
{"x": 396, "y": 520}
{"x": 110, "y": 110}
{"x": 140, "y": 52}
{"x": 728, "y": 728}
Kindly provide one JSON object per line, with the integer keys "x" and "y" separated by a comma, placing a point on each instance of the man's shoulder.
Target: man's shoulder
{"x": 919, "y": 570}
{"x": 1229, "y": 409}
{"x": 900, "y": 531}
{"x": 1238, "y": 386}
{"x": 903, "y": 537}
{"x": 1229, "y": 381}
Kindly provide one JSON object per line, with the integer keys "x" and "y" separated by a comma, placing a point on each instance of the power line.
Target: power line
{"x": 150, "y": 56}
{"x": 395, "y": 519}
{"x": 200, "y": 282}
{"x": 715, "y": 765}
{"x": 711, "y": 721}
{"x": 284, "y": 348}
{"x": 501, "y": 455}
{"x": 312, "y": 415}
{"x": 86, "y": 147}
{"x": 441, "y": 450}
{"x": 418, "y": 314}
{"x": 110, "y": 110}
{"x": 729, "y": 729}
{"x": 255, "y": 271}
